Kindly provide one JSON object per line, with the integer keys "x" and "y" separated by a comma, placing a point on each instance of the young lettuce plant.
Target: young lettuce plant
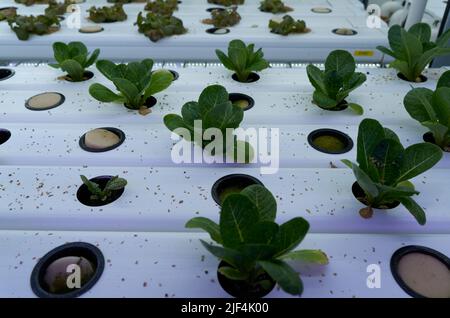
{"x": 226, "y": 3}
{"x": 384, "y": 169}
{"x": 107, "y": 14}
{"x": 99, "y": 194}
{"x": 274, "y": 6}
{"x": 251, "y": 244}
{"x": 333, "y": 85}
{"x": 163, "y": 7}
{"x": 7, "y": 13}
{"x": 135, "y": 82}
{"x": 223, "y": 18}
{"x": 287, "y": 26}
{"x": 213, "y": 110}
{"x": 73, "y": 58}
{"x": 24, "y": 26}
{"x": 57, "y": 8}
{"x": 243, "y": 59}
{"x": 157, "y": 26}
{"x": 432, "y": 110}
{"x": 413, "y": 50}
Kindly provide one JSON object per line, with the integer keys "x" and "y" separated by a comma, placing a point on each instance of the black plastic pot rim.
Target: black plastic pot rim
{"x": 119, "y": 133}
{"x": 149, "y": 103}
{"x": 346, "y": 140}
{"x": 93, "y": 203}
{"x": 253, "y": 77}
{"x": 429, "y": 137}
{"x": 87, "y": 75}
{"x": 64, "y": 251}
{"x": 216, "y": 186}
{"x": 354, "y": 32}
{"x": 233, "y": 97}
{"x": 403, "y": 78}
{"x": 215, "y": 8}
{"x": 12, "y": 73}
{"x": 5, "y": 134}
{"x": 398, "y": 255}
{"x": 213, "y": 31}
{"x": 357, "y": 186}
{"x": 63, "y": 99}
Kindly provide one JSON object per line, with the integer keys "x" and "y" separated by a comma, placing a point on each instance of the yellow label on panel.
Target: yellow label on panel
{"x": 364, "y": 53}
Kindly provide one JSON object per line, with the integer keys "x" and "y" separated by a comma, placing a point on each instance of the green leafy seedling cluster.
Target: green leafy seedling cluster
{"x": 226, "y": 3}
{"x": 336, "y": 82}
{"x": 163, "y": 7}
{"x": 157, "y": 26}
{"x": 24, "y": 26}
{"x": 99, "y": 194}
{"x": 413, "y": 50}
{"x": 73, "y": 58}
{"x": 287, "y": 26}
{"x": 107, "y": 14}
{"x": 242, "y": 59}
{"x": 432, "y": 110}
{"x": 384, "y": 168}
{"x": 250, "y": 241}
{"x": 274, "y": 6}
{"x": 223, "y": 18}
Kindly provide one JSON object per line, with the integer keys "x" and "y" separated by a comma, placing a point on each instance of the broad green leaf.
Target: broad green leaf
{"x": 74, "y": 69}
{"x": 422, "y": 31}
{"x": 427, "y": 57}
{"x": 212, "y": 96}
{"x": 263, "y": 200}
{"x": 355, "y": 81}
{"x": 387, "y": 51}
{"x": 60, "y": 51}
{"x": 418, "y": 103}
{"x": 307, "y": 256}
{"x": 387, "y": 157}
{"x": 444, "y": 80}
{"x": 358, "y": 109}
{"x": 237, "y": 52}
{"x": 414, "y": 209}
{"x": 290, "y": 235}
{"x": 323, "y": 101}
{"x": 333, "y": 82}
{"x": 77, "y": 48}
{"x": 441, "y": 133}
{"x": 128, "y": 90}
{"x": 108, "y": 69}
{"x": 363, "y": 179}
{"x": 262, "y": 232}
{"x": 115, "y": 184}
{"x": 104, "y": 94}
{"x": 92, "y": 58}
{"x": 236, "y": 220}
{"x": 232, "y": 273}
{"x": 254, "y": 252}
{"x": 93, "y": 187}
{"x": 389, "y": 193}
{"x": 443, "y": 40}
{"x": 207, "y": 225}
{"x": 173, "y": 122}
{"x": 315, "y": 76}
{"x": 441, "y": 105}
{"x": 225, "y": 60}
{"x": 417, "y": 159}
{"x": 160, "y": 80}
{"x": 190, "y": 112}
{"x": 341, "y": 62}
{"x": 284, "y": 275}
{"x": 390, "y": 134}
{"x": 232, "y": 257}
{"x": 370, "y": 134}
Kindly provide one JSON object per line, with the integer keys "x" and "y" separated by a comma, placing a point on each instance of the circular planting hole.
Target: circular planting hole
{"x": 91, "y": 29}
{"x": 344, "y": 31}
{"x": 45, "y": 101}
{"x": 360, "y": 195}
{"x": 218, "y": 31}
{"x": 4, "y": 135}
{"x": 243, "y": 101}
{"x": 322, "y": 10}
{"x": 230, "y": 184}
{"x": 253, "y": 77}
{"x": 102, "y": 139}
{"x": 330, "y": 141}
{"x": 239, "y": 288}
{"x": 420, "y": 79}
{"x": 421, "y": 272}
{"x": 87, "y": 75}
{"x": 428, "y": 137}
{"x": 215, "y": 9}
{"x": 149, "y": 103}
{"x": 6, "y": 73}
{"x": 84, "y": 196}
{"x": 54, "y": 274}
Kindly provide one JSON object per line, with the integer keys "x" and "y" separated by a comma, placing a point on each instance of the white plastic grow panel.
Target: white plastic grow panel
{"x": 121, "y": 39}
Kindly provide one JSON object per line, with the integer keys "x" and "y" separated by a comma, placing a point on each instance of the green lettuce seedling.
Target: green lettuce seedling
{"x": 333, "y": 85}
{"x": 432, "y": 110}
{"x": 214, "y": 110}
{"x": 243, "y": 59}
{"x": 163, "y": 7}
{"x": 223, "y": 18}
{"x": 226, "y": 3}
{"x": 7, "y": 13}
{"x": 73, "y": 58}
{"x": 24, "y": 26}
{"x": 135, "y": 82}
{"x": 107, "y": 14}
{"x": 157, "y": 26}
{"x": 57, "y": 8}
{"x": 287, "y": 26}
{"x": 413, "y": 50}
{"x": 274, "y": 6}
{"x": 99, "y": 194}
{"x": 252, "y": 243}
{"x": 384, "y": 168}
